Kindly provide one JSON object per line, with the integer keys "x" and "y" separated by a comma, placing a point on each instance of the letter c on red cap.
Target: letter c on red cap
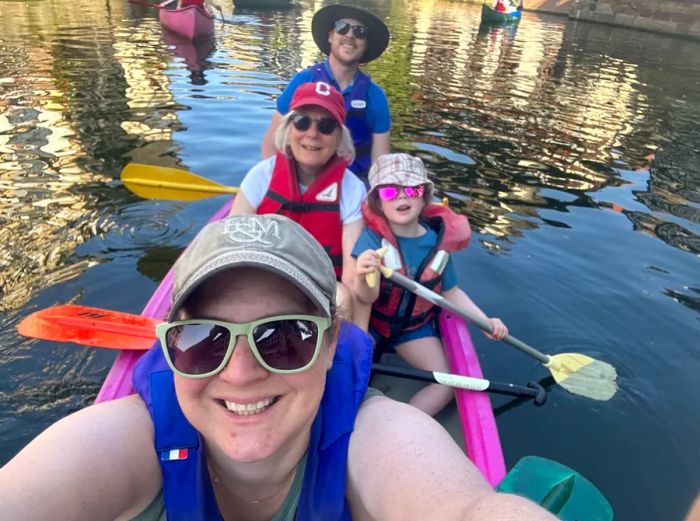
{"x": 323, "y": 88}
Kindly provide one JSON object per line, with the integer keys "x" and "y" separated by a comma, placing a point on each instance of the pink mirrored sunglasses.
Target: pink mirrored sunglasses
{"x": 391, "y": 192}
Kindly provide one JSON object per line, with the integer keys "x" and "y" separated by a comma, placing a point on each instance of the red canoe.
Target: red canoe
{"x": 190, "y": 22}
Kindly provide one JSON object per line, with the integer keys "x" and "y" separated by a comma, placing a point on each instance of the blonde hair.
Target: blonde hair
{"x": 345, "y": 150}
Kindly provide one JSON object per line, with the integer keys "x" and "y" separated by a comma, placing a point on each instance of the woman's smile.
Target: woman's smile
{"x": 250, "y": 408}
{"x": 311, "y": 148}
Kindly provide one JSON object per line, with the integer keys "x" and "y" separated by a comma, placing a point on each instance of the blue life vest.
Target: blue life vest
{"x": 356, "y": 120}
{"x": 187, "y": 490}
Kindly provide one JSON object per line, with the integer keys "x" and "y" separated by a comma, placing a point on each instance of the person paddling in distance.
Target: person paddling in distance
{"x": 349, "y": 37}
{"x": 253, "y": 406}
{"x": 308, "y": 181}
{"x": 418, "y": 236}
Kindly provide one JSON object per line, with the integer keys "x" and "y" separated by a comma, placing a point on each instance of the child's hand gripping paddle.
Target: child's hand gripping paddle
{"x": 577, "y": 373}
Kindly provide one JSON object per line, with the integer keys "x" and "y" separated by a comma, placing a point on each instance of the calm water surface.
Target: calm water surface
{"x": 573, "y": 148}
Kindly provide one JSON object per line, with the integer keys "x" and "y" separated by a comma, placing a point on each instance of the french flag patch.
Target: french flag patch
{"x": 172, "y": 455}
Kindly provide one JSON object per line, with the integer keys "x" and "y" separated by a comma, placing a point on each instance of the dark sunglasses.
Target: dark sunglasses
{"x": 358, "y": 31}
{"x": 284, "y": 344}
{"x": 325, "y": 126}
{"x": 391, "y": 192}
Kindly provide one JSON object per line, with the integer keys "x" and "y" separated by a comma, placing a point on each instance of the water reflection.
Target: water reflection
{"x": 498, "y": 32}
{"x": 539, "y": 114}
{"x": 72, "y": 115}
{"x": 195, "y": 54}
{"x": 511, "y": 120}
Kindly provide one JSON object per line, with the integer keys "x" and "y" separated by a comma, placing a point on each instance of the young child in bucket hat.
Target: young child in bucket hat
{"x": 348, "y": 36}
{"x": 418, "y": 236}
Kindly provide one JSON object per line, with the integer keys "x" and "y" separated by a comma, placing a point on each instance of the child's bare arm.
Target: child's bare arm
{"x": 461, "y": 299}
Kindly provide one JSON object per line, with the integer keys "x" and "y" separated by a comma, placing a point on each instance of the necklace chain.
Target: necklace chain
{"x": 215, "y": 479}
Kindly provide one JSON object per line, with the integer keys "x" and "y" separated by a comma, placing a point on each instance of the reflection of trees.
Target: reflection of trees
{"x": 74, "y": 105}
{"x": 533, "y": 109}
{"x": 693, "y": 302}
{"x": 156, "y": 261}
{"x": 665, "y": 138}
{"x": 476, "y": 99}
{"x": 670, "y": 233}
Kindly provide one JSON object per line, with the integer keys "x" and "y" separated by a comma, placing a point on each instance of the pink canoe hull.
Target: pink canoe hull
{"x": 481, "y": 437}
{"x": 478, "y": 423}
{"x": 191, "y": 22}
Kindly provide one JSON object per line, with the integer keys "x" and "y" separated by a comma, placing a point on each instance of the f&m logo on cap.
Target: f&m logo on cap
{"x": 246, "y": 230}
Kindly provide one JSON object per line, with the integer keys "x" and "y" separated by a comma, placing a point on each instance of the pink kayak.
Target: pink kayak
{"x": 481, "y": 437}
{"x": 476, "y": 415}
{"x": 190, "y": 22}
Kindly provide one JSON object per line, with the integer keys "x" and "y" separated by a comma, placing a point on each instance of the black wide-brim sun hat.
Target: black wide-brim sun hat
{"x": 377, "y": 31}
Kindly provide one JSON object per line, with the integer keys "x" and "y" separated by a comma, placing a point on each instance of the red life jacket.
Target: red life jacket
{"x": 453, "y": 234}
{"x": 317, "y": 210}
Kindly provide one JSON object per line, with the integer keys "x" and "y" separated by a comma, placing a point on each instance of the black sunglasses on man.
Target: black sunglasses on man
{"x": 358, "y": 31}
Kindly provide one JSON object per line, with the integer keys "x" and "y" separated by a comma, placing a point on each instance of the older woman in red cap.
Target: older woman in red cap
{"x": 308, "y": 180}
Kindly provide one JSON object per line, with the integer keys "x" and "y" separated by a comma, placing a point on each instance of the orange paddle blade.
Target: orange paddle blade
{"x": 90, "y": 326}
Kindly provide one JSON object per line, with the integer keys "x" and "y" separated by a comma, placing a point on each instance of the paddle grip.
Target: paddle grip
{"x": 533, "y": 390}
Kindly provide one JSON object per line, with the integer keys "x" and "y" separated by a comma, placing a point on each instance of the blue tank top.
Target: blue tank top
{"x": 187, "y": 489}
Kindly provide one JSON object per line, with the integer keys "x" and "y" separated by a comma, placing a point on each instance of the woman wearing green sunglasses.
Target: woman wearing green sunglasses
{"x": 255, "y": 407}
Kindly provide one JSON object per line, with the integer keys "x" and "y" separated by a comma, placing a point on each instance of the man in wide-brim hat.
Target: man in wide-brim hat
{"x": 349, "y": 36}
{"x": 323, "y": 22}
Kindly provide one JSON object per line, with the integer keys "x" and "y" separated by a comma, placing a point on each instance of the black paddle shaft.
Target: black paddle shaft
{"x": 533, "y": 390}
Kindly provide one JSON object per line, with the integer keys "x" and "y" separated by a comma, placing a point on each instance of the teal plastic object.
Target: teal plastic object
{"x": 559, "y": 489}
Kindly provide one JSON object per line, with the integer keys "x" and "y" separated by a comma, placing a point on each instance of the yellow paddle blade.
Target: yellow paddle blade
{"x": 581, "y": 374}
{"x": 160, "y": 182}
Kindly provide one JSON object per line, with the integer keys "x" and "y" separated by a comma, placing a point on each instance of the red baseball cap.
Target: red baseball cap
{"x": 320, "y": 94}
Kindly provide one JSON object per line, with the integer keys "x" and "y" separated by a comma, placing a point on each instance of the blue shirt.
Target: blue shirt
{"x": 414, "y": 251}
{"x": 378, "y": 116}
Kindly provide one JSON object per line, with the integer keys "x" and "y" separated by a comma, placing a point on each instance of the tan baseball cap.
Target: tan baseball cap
{"x": 398, "y": 169}
{"x": 270, "y": 242}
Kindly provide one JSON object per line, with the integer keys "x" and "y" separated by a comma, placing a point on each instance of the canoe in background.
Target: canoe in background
{"x": 261, "y": 4}
{"x": 190, "y": 22}
{"x": 491, "y": 16}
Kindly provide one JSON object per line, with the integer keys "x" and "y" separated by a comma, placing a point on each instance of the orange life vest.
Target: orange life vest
{"x": 317, "y": 209}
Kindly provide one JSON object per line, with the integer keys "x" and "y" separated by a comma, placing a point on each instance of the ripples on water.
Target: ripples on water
{"x": 556, "y": 139}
